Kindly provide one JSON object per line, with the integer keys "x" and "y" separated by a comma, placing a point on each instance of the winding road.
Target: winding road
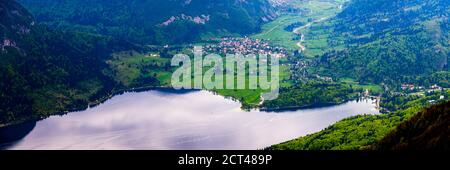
{"x": 298, "y": 31}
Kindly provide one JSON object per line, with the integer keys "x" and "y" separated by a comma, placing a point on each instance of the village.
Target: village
{"x": 411, "y": 89}
{"x": 416, "y": 88}
{"x": 245, "y": 46}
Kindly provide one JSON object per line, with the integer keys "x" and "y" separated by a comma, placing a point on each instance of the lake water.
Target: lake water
{"x": 195, "y": 120}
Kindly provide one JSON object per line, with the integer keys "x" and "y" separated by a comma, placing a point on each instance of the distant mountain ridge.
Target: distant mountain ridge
{"x": 154, "y": 21}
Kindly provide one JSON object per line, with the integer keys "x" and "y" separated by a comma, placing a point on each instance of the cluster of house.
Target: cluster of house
{"x": 324, "y": 78}
{"x": 436, "y": 88}
{"x": 245, "y": 46}
{"x": 412, "y": 87}
{"x": 298, "y": 71}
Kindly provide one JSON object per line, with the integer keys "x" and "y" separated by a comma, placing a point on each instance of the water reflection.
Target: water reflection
{"x": 195, "y": 120}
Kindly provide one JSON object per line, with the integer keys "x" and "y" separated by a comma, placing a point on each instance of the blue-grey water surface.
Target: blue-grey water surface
{"x": 195, "y": 120}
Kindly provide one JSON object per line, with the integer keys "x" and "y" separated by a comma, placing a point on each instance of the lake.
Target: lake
{"x": 163, "y": 120}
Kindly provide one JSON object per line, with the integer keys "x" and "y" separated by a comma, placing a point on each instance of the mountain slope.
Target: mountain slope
{"x": 48, "y": 71}
{"x": 428, "y": 130}
{"x": 12, "y": 16}
{"x": 14, "y": 23}
{"x": 391, "y": 41}
{"x": 154, "y": 21}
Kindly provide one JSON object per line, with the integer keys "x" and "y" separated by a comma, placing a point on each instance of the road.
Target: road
{"x": 298, "y": 31}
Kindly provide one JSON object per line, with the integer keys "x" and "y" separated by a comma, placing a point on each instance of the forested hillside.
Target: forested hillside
{"x": 391, "y": 41}
{"x": 154, "y": 21}
{"x": 48, "y": 71}
{"x": 428, "y": 130}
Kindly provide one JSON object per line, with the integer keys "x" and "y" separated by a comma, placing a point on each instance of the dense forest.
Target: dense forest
{"x": 154, "y": 21}
{"x": 428, "y": 130}
{"x": 391, "y": 41}
{"x": 49, "y": 71}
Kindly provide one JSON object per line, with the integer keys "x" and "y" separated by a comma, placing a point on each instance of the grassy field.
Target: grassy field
{"x": 130, "y": 66}
{"x": 275, "y": 31}
{"x": 252, "y": 98}
{"x": 318, "y": 37}
{"x": 373, "y": 88}
{"x": 248, "y": 98}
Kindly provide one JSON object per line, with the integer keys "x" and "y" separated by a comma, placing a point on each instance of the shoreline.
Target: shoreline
{"x": 167, "y": 89}
{"x": 90, "y": 104}
{"x": 296, "y": 108}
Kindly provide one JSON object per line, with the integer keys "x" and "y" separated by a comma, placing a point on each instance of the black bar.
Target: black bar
{"x": 278, "y": 159}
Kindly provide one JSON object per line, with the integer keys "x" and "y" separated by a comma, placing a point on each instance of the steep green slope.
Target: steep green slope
{"x": 45, "y": 72}
{"x": 12, "y": 84}
{"x": 390, "y": 41}
{"x": 154, "y": 21}
{"x": 428, "y": 130}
